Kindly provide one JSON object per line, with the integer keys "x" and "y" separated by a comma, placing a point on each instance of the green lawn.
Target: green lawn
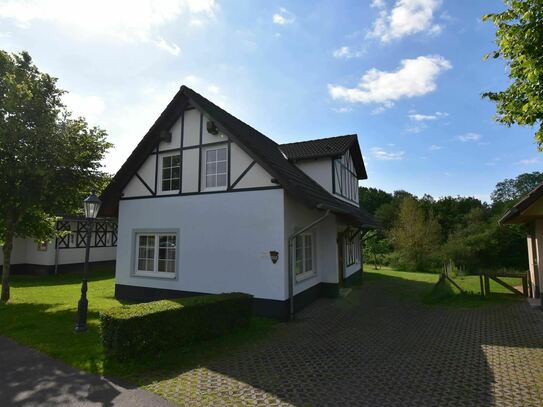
{"x": 414, "y": 286}
{"x": 42, "y": 314}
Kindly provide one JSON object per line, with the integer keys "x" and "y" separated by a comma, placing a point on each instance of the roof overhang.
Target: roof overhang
{"x": 527, "y": 210}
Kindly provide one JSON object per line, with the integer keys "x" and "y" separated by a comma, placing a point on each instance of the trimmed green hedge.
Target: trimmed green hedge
{"x": 156, "y": 326}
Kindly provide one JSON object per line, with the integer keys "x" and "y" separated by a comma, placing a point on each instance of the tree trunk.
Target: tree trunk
{"x": 6, "y": 249}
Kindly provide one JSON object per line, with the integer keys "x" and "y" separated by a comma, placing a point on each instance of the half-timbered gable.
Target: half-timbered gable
{"x": 193, "y": 157}
{"x": 335, "y": 163}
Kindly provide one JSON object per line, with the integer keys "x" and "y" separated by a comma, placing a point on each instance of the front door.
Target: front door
{"x": 340, "y": 259}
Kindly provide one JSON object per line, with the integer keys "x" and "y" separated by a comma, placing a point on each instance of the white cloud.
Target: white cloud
{"x": 90, "y": 107}
{"x": 406, "y": 17}
{"x": 435, "y": 147}
{"x": 417, "y": 117}
{"x": 378, "y": 3}
{"x": 347, "y": 53}
{"x": 379, "y": 110}
{"x": 381, "y": 154}
{"x": 414, "y": 77}
{"x": 283, "y": 17}
{"x": 344, "y": 109}
{"x": 467, "y": 137}
{"x": 207, "y": 89}
{"x": 171, "y": 48}
{"x": 529, "y": 161}
{"x": 120, "y": 20}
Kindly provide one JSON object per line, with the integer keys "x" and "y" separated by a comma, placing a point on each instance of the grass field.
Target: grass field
{"x": 42, "y": 313}
{"x": 403, "y": 283}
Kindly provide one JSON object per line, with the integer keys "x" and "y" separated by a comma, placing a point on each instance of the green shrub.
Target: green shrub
{"x": 129, "y": 330}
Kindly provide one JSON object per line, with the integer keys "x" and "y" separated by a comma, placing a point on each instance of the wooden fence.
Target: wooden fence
{"x": 484, "y": 279}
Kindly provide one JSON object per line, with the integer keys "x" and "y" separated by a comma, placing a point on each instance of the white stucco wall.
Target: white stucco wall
{"x": 224, "y": 241}
{"x": 320, "y": 170}
{"x": 175, "y": 141}
{"x": 297, "y": 215}
{"x": 189, "y": 176}
{"x": 353, "y": 268}
{"x": 18, "y": 252}
{"x": 191, "y": 132}
{"x": 208, "y": 137}
{"x": 25, "y": 251}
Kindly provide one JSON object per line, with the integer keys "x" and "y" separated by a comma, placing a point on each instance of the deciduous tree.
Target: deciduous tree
{"x": 416, "y": 236}
{"x": 519, "y": 37}
{"x": 48, "y": 160}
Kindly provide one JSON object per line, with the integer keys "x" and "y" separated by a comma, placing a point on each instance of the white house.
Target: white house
{"x": 66, "y": 252}
{"x": 207, "y": 204}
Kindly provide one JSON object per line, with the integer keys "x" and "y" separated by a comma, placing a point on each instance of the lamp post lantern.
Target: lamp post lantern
{"x": 91, "y": 205}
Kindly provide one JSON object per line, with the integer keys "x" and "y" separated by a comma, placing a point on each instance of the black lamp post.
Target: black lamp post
{"x": 91, "y": 206}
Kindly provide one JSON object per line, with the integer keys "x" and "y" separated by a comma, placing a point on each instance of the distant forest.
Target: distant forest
{"x": 423, "y": 233}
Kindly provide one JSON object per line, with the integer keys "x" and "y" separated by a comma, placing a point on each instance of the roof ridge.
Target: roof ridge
{"x": 320, "y": 139}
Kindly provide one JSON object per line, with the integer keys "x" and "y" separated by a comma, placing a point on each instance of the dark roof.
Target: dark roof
{"x": 512, "y": 215}
{"x": 327, "y": 147}
{"x": 262, "y": 149}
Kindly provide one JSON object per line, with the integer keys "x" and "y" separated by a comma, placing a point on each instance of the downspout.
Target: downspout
{"x": 290, "y": 273}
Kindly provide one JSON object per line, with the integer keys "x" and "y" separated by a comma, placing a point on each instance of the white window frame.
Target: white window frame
{"x": 352, "y": 251}
{"x": 155, "y": 273}
{"x": 204, "y": 168}
{"x": 162, "y": 156}
{"x": 305, "y": 273}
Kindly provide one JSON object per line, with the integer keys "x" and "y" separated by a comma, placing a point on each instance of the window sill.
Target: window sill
{"x": 305, "y": 276}
{"x": 213, "y": 189}
{"x": 157, "y": 274}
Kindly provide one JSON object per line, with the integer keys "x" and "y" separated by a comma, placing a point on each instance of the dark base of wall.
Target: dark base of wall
{"x": 275, "y": 309}
{"x": 353, "y": 279}
{"x": 42, "y": 270}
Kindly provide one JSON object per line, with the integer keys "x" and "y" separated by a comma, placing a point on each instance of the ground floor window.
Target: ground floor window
{"x": 353, "y": 251}
{"x": 156, "y": 254}
{"x": 303, "y": 261}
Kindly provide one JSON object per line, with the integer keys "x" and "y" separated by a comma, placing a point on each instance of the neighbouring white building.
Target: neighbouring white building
{"x": 207, "y": 204}
{"x": 66, "y": 252}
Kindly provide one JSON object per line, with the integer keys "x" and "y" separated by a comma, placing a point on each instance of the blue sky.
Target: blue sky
{"x": 405, "y": 75}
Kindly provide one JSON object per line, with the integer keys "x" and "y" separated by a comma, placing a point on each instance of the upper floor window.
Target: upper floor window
{"x": 216, "y": 167}
{"x": 345, "y": 179}
{"x": 171, "y": 172}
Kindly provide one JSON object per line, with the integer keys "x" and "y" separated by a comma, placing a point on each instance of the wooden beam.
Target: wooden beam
{"x": 504, "y": 284}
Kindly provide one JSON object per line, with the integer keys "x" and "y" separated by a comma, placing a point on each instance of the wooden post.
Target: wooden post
{"x": 525, "y": 286}
{"x": 487, "y": 285}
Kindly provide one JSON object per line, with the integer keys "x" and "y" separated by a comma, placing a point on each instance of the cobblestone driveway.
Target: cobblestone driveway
{"x": 375, "y": 349}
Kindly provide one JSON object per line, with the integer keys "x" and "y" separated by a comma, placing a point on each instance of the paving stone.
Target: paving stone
{"x": 373, "y": 349}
